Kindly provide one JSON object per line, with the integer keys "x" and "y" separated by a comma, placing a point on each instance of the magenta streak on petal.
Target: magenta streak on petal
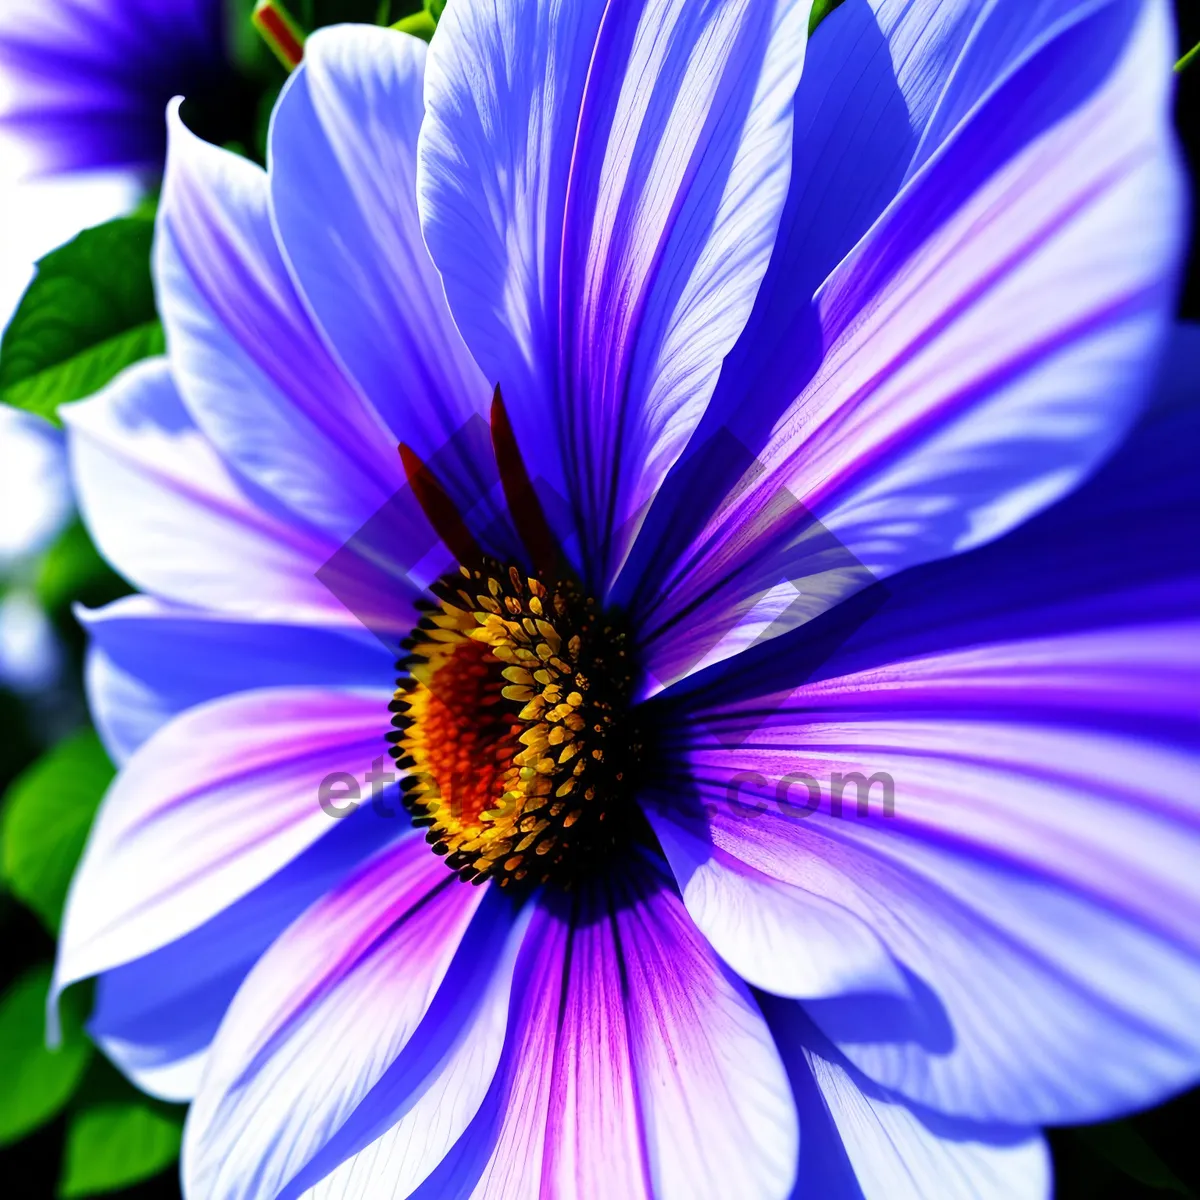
{"x": 593, "y": 1130}
{"x": 287, "y": 820}
{"x": 320, "y": 1021}
{"x": 276, "y": 757}
{"x": 584, "y": 376}
{"x": 636, "y": 1064}
{"x": 615, "y": 274}
{"x": 340, "y": 406}
{"x": 979, "y": 806}
{"x": 263, "y": 837}
{"x": 825, "y": 493}
{"x": 565, "y": 412}
{"x": 420, "y": 889}
{"x": 890, "y": 449}
{"x": 712, "y": 1096}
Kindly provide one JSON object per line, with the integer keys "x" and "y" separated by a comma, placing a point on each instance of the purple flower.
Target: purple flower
{"x": 85, "y": 81}
{"x": 798, "y": 371}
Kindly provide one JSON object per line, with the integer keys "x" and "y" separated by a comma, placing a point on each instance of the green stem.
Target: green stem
{"x": 1189, "y": 58}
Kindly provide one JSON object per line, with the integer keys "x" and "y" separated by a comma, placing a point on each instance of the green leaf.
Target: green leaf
{"x": 1121, "y": 1144}
{"x": 48, "y": 811}
{"x": 114, "y": 1145}
{"x": 420, "y": 25}
{"x": 88, "y": 313}
{"x": 147, "y": 206}
{"x": 423, "y": 22}
{"x": 820, "y": 10}
{"x": 38, "y": 1082}
{"x": 72, "y": 569}
{"x": 84, "y": 373}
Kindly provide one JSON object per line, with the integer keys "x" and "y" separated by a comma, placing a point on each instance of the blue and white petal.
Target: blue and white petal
{"x": 343, "y": 166}
{"x": 600, "y": 186}
{"x": 217, "y": 802}
{"x": 983, "y": 346}
{"x": 149, "y": 660}
{"x": 248, "y": 360}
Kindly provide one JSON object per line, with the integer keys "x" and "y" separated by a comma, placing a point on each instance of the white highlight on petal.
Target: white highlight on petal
{"x": 775, "y": 935}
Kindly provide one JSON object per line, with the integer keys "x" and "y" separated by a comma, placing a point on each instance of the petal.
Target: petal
{"x": 1066, "y": 571}
{"x": 954, "y": 359}
{"x": 343, "y": 191}
{"x": 1047, "y": 966}
{"x": 214, "y": 804}
{"x": 148, "y": 661}
{"x": 862, "y": 1143}
{"x": 413, "y": 1116}
{"x": 173, "y": 518}
{"x": 250, "y": 366}
{"x": 635, "y": 1065}
{"x": 168, "y": 514}
{"x": 600, "y": 186}
{"x": 155, "y": 1016}
{"x": 873, "y": 79}
{"x": 561, "y": 1113}
{"x": 1032, "y": 706}
{"x": 335, "y": 1014}
{"x": 717, "y": 1117}
{"x": 884, "y": 86}
{"x": 781, "y": 938}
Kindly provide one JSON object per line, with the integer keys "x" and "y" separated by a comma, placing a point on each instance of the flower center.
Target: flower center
{"x": 512, "y": 719}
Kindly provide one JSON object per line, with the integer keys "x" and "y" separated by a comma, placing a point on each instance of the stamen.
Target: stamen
{"x": 523, "y": 503}
{"x": 278, "y": 28}
{"x": 441, "y": 512}
{"x": 513, "y": 721}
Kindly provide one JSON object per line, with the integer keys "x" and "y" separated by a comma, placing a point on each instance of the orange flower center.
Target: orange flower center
{"x": 513, "y": 723}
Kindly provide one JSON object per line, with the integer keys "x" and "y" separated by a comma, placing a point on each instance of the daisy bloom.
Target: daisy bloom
{"x": 601, "y": 453}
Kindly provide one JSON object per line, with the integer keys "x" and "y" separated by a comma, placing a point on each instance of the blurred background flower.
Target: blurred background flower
{"x": 35, "y": 504}
{"x": 35, "y": 496}
{"x": 85, "y": 81}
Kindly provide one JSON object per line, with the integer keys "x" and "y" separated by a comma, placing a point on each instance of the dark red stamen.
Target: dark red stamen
{"x": 439, "y": 509}
{"x": 523, "y": 503}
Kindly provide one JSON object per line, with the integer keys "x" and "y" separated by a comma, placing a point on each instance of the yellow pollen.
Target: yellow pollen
{"x": 506, "y": 710}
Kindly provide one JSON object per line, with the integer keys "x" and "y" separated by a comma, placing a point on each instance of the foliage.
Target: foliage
{"x": 820, "y": 10}
{"x": 115, "y": 1144}
{"x": 1122, "y": 1146}
{"x": 88, "y": 313}
{"x": 38, "y": 1081}
{"x": 72, "y": 571}
{"x": 48, "y": 811}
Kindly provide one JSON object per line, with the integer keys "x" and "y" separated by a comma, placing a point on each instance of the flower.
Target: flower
{"x": 796, "y": 371}
{"x": 35, "y": 494}
{"x": 35, "y": 504}
{"x": 85, "y": 81}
